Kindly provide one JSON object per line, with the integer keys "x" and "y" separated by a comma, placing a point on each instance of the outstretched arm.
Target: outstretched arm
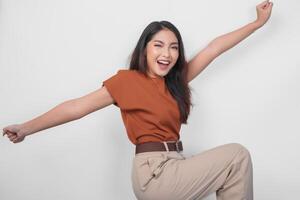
{"x": 224, "y": 42}
{"x": 64, "y": 112}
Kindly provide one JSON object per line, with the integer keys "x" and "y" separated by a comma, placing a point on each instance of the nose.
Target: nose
{"x": 166, "y": 52}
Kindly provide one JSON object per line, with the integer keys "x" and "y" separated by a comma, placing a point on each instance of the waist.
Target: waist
{"x": 159, "y": 146}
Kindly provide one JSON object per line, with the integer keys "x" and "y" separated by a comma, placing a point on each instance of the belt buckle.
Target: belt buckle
{"x": 177, "y": 146}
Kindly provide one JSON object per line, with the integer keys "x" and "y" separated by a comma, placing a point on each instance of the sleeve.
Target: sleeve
{"x": 118, "y": 86}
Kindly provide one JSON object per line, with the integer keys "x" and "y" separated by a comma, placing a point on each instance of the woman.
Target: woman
{"x": 154, "y": 99}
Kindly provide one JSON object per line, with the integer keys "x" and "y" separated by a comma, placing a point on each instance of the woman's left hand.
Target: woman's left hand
{"x": 263, "y": 12}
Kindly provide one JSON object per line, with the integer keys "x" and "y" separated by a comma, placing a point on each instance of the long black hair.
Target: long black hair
{"x": 176, "y": 79}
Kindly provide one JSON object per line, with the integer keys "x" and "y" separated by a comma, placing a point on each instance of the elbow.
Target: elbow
{"x": 71, "y": 109}
{"x": 214, "y": 48}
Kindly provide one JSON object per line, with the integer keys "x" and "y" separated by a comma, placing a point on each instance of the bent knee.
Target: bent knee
{"x": 241, "y": 148}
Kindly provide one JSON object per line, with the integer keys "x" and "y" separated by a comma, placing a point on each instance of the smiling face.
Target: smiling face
{"x": 162, "y": 52}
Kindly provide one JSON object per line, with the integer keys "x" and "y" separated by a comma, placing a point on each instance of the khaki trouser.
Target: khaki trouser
{"x": 163, "y": 175}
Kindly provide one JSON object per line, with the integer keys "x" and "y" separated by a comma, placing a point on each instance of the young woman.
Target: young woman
{"x": 154, "y": 99}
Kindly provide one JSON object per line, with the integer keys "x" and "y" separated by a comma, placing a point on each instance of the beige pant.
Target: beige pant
{"x": 162, "y": 175}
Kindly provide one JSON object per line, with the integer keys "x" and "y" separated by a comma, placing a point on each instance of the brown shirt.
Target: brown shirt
{"x": 148, "y": 110}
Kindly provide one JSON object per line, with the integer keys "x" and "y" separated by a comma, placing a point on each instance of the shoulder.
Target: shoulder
{"x": 129, "y": 73}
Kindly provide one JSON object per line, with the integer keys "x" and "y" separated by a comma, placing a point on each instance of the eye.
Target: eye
{"x": 157, "y": 45}
{"x": 175, "y": 47}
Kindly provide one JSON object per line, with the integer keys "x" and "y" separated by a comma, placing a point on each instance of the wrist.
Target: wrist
{"x": 257, "y": 24}
{"x": 25, "y": 129}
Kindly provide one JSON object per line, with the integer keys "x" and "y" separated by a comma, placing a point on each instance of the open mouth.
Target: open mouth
{"x": 163, "y": 64}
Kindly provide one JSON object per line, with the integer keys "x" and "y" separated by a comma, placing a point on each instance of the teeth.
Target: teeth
{"x": 163, "y": 62}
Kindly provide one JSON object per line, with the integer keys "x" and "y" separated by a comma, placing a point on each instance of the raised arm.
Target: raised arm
{"x": 65, "y": 112}
{"x": 224, "y": 42}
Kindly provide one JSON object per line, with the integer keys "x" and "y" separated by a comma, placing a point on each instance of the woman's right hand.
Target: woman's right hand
{"x": 14, "y": 133}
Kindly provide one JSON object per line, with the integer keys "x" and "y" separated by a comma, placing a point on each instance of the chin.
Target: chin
{"x": 162, "y": 73}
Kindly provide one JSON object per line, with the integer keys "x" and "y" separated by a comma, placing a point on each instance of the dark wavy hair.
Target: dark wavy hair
{"x": 176, "y": 79}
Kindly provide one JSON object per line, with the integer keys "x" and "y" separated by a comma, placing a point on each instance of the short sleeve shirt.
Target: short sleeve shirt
{"x": 149, "y": 111}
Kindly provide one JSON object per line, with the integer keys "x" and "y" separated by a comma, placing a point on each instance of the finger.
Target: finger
{"x": 15, "y": 140}
{"x": 4, "y": 131}
{"x": 12, "y": 137}
{"x": 10, "y": 133}
{"x": 271, "y": 4}
{"x": 264, "y": 4}
{"x": 7, "y": 134}
{"x": 18, "y": 140}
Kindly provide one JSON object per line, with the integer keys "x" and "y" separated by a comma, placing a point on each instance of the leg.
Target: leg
{"x": 226, "y": 170}
{"x": 239, "y": 182}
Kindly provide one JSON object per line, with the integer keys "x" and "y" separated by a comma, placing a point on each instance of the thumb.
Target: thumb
{"x": 5, "y": 130}
{"x": 11, "y": 128}
{"x": 263, "y": 4}
{"x": 271, "y": 4}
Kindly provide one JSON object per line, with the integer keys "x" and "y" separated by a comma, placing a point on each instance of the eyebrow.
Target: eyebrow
{"x": 163, "y": 42}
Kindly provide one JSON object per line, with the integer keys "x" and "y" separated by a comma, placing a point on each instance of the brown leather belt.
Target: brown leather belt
{"x": 159, "y": 146}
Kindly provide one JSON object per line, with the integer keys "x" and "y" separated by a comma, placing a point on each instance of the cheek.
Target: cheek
{"x": 175, "y": 56}
{"x": 151, "y": 59}
{"x": 151, "y": 54}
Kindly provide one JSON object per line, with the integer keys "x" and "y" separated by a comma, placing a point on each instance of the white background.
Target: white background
{"x": 53, "y": 51}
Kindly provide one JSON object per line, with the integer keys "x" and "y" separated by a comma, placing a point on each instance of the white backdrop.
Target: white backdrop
{"x": 53, "y": 51}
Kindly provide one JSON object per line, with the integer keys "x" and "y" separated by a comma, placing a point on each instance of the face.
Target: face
{"x": 162, "y": 52}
